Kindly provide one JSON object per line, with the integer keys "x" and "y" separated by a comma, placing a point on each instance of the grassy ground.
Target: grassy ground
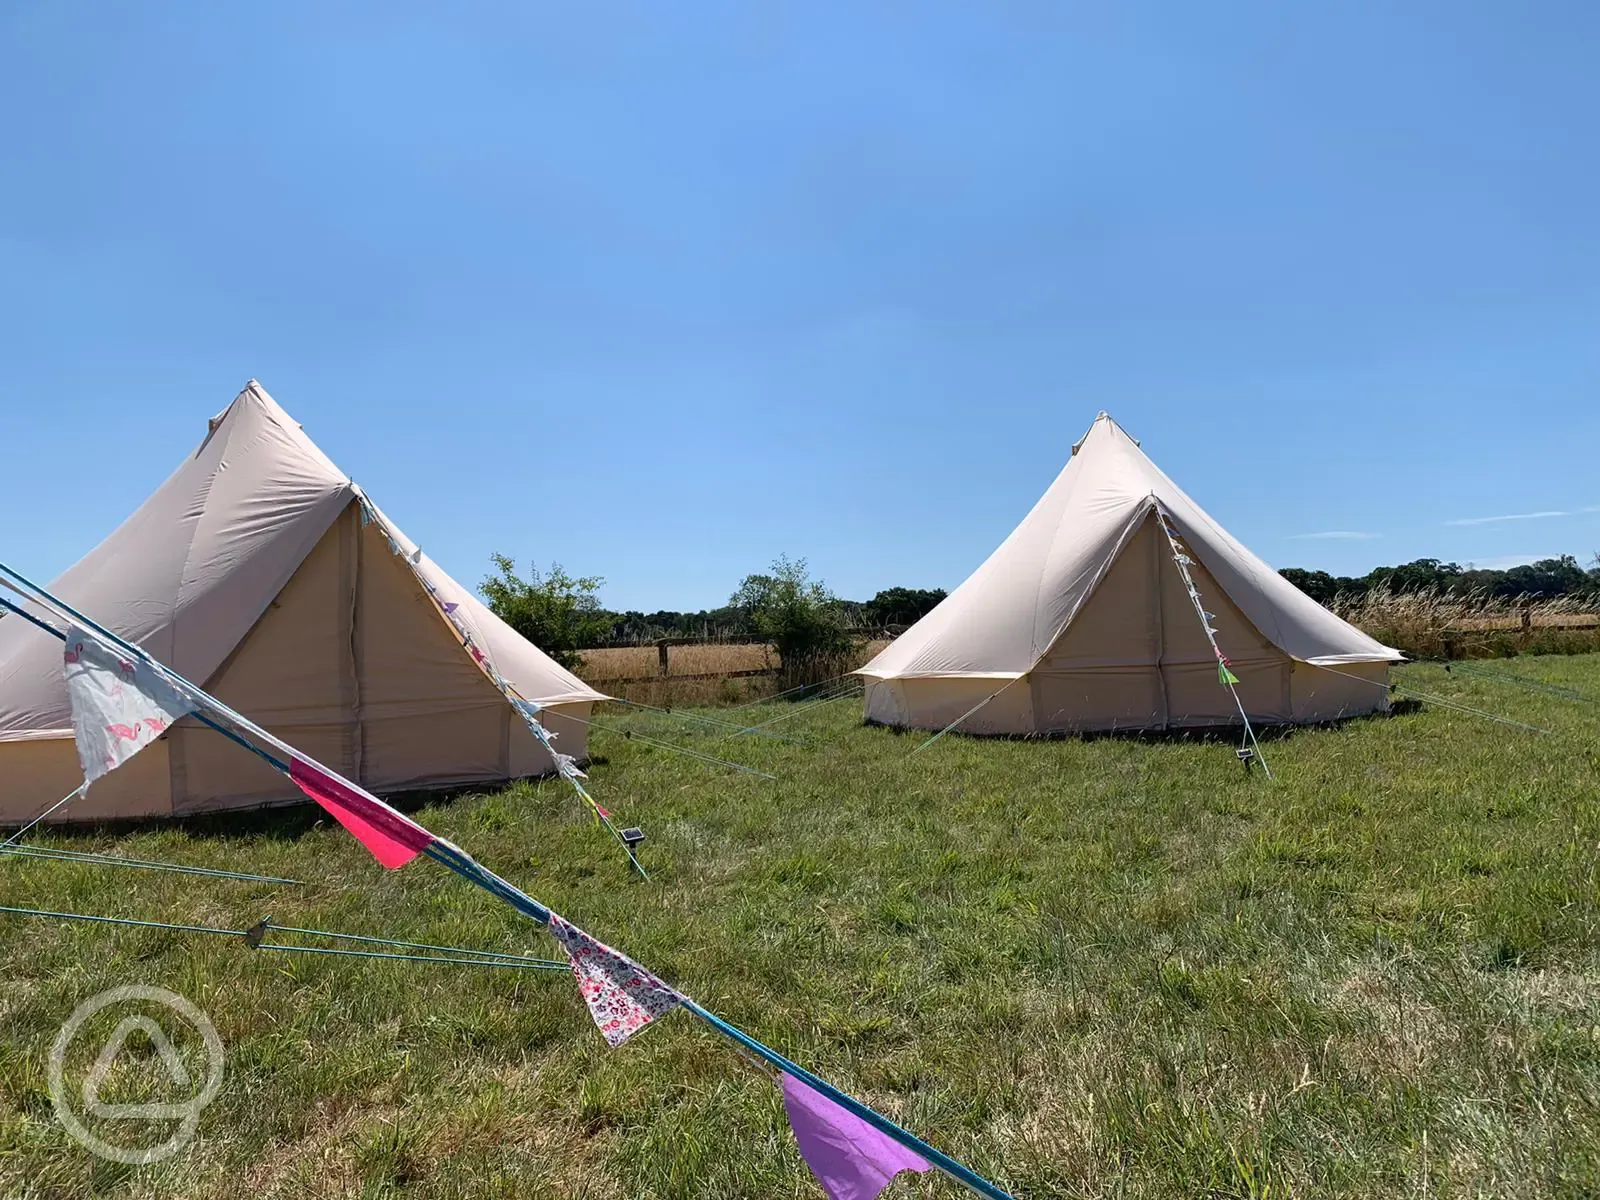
{"x": 1088, "y": 968}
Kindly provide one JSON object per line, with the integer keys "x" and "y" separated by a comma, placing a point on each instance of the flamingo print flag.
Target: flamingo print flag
{"x": 119, "y": 706}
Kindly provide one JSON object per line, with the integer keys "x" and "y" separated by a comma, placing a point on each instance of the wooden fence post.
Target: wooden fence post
{"x": 661, "y": 650}
{"x": 1527, "y": 624}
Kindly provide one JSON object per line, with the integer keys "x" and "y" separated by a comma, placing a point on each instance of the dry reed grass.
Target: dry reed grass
{"x": 1433, "y": 624}
{"x": 630, "y": 672}
{"x": 632, "y": 662}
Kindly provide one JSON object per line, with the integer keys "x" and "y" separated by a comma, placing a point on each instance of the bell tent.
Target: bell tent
{"x": 1118, "y": 604}
{"x": 262, "y": 572}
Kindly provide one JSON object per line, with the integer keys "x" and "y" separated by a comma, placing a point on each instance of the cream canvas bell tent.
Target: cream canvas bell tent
{"x": 1082, "y": 620}
{"x": 261, "y": 572}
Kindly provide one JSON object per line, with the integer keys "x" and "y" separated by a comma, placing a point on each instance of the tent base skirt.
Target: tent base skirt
{"x": 1184, "y": 697}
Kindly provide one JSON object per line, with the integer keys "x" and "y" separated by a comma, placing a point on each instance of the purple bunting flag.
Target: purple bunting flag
{"x": 851, "y": 1159}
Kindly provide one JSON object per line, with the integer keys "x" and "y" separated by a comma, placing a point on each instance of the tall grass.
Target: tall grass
{"x": 1435, "y": 624}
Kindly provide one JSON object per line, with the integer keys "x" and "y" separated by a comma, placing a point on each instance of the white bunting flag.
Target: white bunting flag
{"x": 119, "y": 705}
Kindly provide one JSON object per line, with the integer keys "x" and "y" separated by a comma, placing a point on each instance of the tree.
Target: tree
{"x": 1546, "y": 579}
{"x": 1319, "y": 585}
{"x": 797, "y": 614}
{"x": 901, "y": 605}
{"x": 557, "y": 612}
{"x": 1424, "y": 574}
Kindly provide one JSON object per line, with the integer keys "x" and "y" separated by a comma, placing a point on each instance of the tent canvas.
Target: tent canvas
{"x": 1080, "y": 621}
{"x": 258, "y": 569}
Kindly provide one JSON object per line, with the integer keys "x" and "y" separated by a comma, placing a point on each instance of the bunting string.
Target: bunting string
{"x": 527, "y": 709}
{"x": 614, "y": 986}
{"x": 1225, "y": 675}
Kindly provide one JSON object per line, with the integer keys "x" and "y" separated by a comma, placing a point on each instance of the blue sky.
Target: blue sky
{"x": 664, "y": 291}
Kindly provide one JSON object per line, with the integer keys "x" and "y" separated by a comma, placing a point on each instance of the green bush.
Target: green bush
{"x": 801, "y": 618}
{"x": 557, "y": 612}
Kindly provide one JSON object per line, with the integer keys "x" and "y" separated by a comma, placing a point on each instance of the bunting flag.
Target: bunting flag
{"x": 622, "y": 996}
{"x": 566, "y": 765}
{"x": 394, "y": 838}
{"x": 119, "y": 705}
{"x": 1225, "y": 675}
{"x": 1183, "y": 562}
{"x": 854, "y": 1151}
{"x": 851, "y": 1159}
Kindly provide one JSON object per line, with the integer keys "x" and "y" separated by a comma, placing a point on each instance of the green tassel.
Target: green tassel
{"x": 1225, "y": 676}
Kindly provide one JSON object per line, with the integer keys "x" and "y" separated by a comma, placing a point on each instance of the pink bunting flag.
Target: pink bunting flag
{"x": 622, "y": 996}
{"x": 851, "y": 1159}
{"x": 394, "y": 838}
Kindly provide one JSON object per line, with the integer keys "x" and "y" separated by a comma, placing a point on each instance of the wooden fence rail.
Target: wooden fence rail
{"x": 1524, "y": 623}
{"x": 698, "y": 675}
{"x": 664, "y": 653}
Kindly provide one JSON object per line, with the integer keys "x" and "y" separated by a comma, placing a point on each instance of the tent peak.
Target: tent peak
{"x": 1109, "y": 420}
{"x": 252, "y": 387}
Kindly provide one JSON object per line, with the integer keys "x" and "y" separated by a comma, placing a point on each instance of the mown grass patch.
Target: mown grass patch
{"x": 1106, "y": 967}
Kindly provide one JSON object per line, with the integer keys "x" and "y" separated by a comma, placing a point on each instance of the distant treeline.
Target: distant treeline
{"x": 562, "y": 614}
{"x": 897, "y": 606}
{"x": 1546, "y": 579}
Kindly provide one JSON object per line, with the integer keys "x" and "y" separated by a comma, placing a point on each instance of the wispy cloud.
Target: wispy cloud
{"x": 1529, "y": 516}
{"x": 1335, "y": 535}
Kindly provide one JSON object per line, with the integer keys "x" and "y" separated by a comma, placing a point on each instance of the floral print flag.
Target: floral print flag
{"x": 119, "y": 705}
{"x": 622, "y": 996}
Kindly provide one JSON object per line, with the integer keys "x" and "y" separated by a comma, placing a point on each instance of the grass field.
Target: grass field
{"x": 1106, "y": 967}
